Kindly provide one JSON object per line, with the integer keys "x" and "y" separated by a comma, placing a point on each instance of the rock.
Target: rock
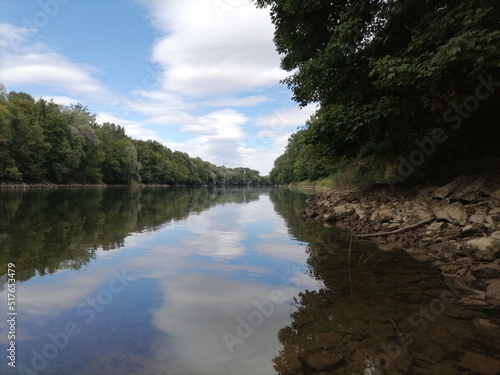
{"x": 446, "y": 190}
{"x": 329, "y": 218}
{"x": 383, "y": 215}
{"x": 311, "y": 214}
{"x": 469, "y": 190}
{"x": 480, "y": 364}
{"x": 486, "y": 323}
{"x": 454, "y": 213}
{"x": 491, "y": 270}
{"x": 496, "y": 235}
{"x": 496, "y": 195}
{"x": 493, "y": 289}
{"x": 417, "y": 216}
{"x": 485, "y": 256}
{"x": 482, "y": 243}
{"x": 339, "y": 209}
{"x": 361, "y": 213}
{"x": 435, "y": 226}
{"x": 495, "y": 211}
{"x": 470, "y": 229}
{"x": 465, "y": 260}
{"x": 477, "y": 218}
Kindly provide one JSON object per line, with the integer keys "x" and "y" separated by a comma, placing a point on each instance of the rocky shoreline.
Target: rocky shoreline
{"x": 456, "y": 226}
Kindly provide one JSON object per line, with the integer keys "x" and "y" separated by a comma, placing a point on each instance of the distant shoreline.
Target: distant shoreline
{"x": 48, "y": 185}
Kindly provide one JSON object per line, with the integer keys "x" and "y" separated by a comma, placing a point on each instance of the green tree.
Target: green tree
{"x": 8, "y": 168}
{"x": 120, "y": 164}
{"x": 87, "y": 155}
{"x": 385, "y": 73}
{"x": 27, "y": 144}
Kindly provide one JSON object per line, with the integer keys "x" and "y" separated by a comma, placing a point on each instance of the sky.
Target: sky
{"x": 199, "y": 76}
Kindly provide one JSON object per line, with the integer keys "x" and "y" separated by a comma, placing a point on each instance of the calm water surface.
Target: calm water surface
{"x": 219, "y": 281}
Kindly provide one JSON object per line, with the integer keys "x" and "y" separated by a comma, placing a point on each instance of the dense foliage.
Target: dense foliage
{"x": 41, "y": 141}
{"x": 387, "y": 75}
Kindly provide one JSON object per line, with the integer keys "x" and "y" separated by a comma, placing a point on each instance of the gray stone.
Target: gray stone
{"x": 418, "y": 215}
{"x": 454, "y": 213}
{"x": 488, "y": 270}
{"x": 483, "y": 243}
{"x": 381, "y": 216}
{"x": 435, "y": 226}
{"x": 493, "y": 289}
{"x": 496, "y": 195}
{"x": 477, "y": 218}
{"x": 470, "y": 190}
{"x": 339, "y": 209}
{"x": 446, "y": 190}
{"x": 495, "y": 211}
{"x": 361, "y": 213}
{"x": 468, "y": 229}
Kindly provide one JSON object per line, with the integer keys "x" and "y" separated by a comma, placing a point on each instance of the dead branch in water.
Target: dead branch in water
{"x": 377, "y": 234}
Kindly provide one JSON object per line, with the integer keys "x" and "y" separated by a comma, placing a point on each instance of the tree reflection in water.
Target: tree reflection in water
{"x": 379, "y": 313}
{"x": 43, "y": 231}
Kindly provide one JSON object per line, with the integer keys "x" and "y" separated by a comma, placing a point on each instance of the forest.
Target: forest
{"x": 41, "y": 141}
{"x": 406, "y": 90}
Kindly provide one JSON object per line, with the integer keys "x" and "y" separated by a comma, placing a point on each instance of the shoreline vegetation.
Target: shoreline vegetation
{"x": 48, "y": 185}
{"x": 42, "y": 142}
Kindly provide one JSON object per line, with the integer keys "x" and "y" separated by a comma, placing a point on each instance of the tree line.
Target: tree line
{"x": 389, "y": 78}
{"x": 41, "y": 141}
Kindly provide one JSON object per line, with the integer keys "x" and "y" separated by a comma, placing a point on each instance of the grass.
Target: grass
{"x": 355, "y": 175}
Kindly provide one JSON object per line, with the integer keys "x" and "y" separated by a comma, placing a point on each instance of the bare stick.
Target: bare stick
{"x": 397, "y": 230}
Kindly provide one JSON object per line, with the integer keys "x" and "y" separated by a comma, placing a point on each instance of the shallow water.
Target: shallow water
{"x": 220, "y": 281}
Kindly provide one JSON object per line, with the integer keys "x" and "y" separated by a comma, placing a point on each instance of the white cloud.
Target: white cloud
{"x": 12, "y": 36}
{"x": 248, "y": 101}
{"x": 218, "y": 137}
{"x": 204, "y": 53}
{"x": 286, "y": 118}
{"x": 26, "y": 62}
{"x": 199, "y": 348}
{"x": 132, "y": 128}
{"x": 216, "y": 69}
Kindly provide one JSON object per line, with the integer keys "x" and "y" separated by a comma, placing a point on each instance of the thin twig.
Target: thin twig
{"x": 369, "y": 257}
{"x": 350, "y": 247}
{"x": 475, "y": 204}
{"x": 397, "y": 230}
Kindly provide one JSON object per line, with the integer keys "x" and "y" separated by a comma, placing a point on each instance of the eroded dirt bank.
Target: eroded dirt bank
{"x": 457, "y": 226}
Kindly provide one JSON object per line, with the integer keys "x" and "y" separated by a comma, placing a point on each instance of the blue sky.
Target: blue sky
{"x": 200, "y": 76}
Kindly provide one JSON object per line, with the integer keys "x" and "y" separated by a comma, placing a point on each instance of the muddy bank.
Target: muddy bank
{"x": 456, "y": 226}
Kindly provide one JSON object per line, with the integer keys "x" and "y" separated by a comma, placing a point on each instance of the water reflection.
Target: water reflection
{"x": 380, "y": 313}
{"x": 50, "y": 230}
{"x": 193, "y": 263}
{"x": 214, "y": 282}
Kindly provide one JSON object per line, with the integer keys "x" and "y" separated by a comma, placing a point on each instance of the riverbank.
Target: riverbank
{"x": 48, "y": 185}
{"x": 456, "y": 226}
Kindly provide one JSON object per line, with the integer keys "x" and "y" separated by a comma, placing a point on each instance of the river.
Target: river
{"x": 218, "y": 281}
